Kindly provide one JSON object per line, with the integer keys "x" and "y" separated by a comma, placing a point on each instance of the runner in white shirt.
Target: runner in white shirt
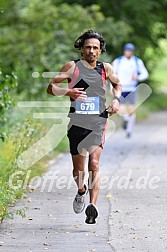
{"x": 130, "y": 70}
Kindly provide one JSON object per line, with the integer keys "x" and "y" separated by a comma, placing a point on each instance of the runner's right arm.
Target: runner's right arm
{"x": 66, "y": 73}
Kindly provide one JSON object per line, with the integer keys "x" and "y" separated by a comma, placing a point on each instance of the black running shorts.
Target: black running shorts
{"x": 83, "y": 138}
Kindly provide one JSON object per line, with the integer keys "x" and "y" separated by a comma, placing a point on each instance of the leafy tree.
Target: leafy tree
{"x": 146, "y": 22}
{"x": 39, "y": 36}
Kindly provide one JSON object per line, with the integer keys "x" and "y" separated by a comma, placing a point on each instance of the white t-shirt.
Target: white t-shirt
{"x": 126, "y": 68}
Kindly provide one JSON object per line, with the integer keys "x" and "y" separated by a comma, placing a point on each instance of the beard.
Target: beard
{"x": 91, "y": 58}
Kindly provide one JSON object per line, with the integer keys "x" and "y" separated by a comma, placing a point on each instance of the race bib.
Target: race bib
{"x": 88, "y": 106}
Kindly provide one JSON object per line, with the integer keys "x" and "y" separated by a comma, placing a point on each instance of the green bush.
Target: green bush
{"x": 17, "y": 142}
{"x": 7, "y": 84}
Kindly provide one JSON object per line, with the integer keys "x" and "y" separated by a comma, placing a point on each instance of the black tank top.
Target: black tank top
{"x": 94, "y": 83}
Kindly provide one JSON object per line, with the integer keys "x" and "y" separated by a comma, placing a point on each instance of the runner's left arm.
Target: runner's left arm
{"x": 117, "y": 89}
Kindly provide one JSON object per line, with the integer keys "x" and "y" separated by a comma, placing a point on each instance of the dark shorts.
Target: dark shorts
{"x": 128, "y": 97}
{"x": 82, "y": 138}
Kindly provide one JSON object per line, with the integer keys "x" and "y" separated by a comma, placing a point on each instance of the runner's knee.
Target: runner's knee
{"x": 93, "y": 165}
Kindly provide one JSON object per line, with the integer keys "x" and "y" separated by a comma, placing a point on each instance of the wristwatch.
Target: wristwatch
{"x": 116, "y": 97}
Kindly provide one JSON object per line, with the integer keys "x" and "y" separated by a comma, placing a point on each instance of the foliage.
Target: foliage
{"x": 147, "y": 21}
{"x": 7, "y": 83}
{"x": 24, "y": 136}
{"x": 157, "y": 101}
{"x": 44, "y": 42}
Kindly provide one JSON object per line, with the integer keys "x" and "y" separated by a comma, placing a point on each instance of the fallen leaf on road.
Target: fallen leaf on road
{"x": 108, "y": 196}
{"x": 75, "y": 226}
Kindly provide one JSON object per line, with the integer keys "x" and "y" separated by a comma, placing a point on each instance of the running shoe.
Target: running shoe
{"x": 91, "y": 214}
{"x": 128, "y": 135}
{"x": 79, "y": 202}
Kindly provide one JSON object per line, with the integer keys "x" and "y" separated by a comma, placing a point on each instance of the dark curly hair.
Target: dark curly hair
{"x": 87, "y": 35}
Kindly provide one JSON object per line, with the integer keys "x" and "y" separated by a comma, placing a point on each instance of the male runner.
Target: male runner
{"x": 88, "y": 114}
{"x": 130, "y": 70}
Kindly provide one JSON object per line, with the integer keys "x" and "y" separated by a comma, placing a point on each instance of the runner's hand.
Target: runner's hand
{"x": 113, "y": 107}
{"x": 134, "y": 77}
{"x": 77, "y": 94}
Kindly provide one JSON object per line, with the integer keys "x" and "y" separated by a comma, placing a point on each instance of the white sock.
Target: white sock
{"x": 126, "y": 117}
{"x": 131, "y": 123}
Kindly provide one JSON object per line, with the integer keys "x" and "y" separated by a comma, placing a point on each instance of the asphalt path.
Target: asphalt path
{"x": 132, "y": 201}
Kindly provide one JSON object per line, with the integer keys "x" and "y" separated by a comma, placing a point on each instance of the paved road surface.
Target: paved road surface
{"x": 132, "y": 202}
